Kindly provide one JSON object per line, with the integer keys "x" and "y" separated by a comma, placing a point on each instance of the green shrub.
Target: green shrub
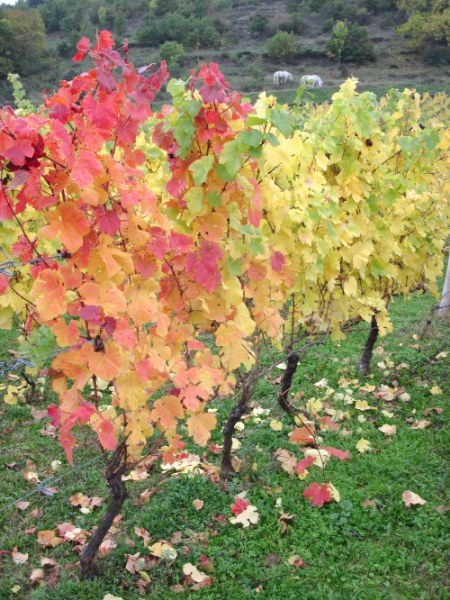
{"x": 259, "y": 24}
{"x": 283, "y": 45}
{"x": 171, "y": 52}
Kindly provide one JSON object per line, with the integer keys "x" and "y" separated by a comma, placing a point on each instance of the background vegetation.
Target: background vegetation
{"x": 388, "y": 42}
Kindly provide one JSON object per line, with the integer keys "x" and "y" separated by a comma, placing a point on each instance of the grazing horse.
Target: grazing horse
{"x": 311, "y": 81}
{"x": 280, "y": 77}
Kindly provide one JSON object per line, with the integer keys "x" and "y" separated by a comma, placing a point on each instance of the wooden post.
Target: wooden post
{"x": 444, "y": 305}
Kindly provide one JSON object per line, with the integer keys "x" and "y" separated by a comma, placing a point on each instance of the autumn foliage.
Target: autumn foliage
{"x": 162, "y": 251}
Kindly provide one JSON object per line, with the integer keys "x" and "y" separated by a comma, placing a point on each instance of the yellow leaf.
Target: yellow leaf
{"x": 276, "y": 425}
{"x": 363, "y": 405}
{"x": 200, "y": 425}
{"x": 435, "y": 390}
{"x": 363, "y": 445}
{"x": 350, "y": 286}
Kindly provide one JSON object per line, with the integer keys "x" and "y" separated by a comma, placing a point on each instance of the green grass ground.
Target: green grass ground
{"x": 352, "y": 549}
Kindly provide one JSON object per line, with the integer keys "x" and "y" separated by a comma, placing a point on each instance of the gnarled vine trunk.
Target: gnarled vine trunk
{"x": 118, "y": 494}
{"x": 238, "y": 411}
{"x": 366, "y": 357}
{"x": 286, "y": 382}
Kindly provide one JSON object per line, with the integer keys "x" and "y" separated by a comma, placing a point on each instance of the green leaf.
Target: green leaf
{"x": 390, "y": 196}
{"x": 430, "y": 138}
{"x": 234, "y": 266}
{"x": 252, "y": 120}
{"x": 378, "y": 267}
{"x": 214, "y": 199}
{"x": 272, "y": 139}
{"x": 256, "y": 246}
{"x": 282, "y": 121}
{"x": 194, "y": 200}
{"x": 200, "y": 169}
{"x": 408, "y": 144}
{"x": 230, "y": 157}
{"x": 252, "y": 137}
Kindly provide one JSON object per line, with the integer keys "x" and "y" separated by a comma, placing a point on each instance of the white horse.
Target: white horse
{"x": 280, "y": 77}
{"x": 311, "y": 81}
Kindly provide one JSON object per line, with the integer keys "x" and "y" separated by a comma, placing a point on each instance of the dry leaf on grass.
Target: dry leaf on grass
{"x": 388, "y": 429}
{"x": 411, "y": 499}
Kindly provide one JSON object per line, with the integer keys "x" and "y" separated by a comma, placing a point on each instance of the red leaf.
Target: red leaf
{"x": 83, "y": 48}
{"x": 340, "y": 454}
{"x": 317, "y": 494}
{"x": 277, "y": 261}
{"x": 304, "y": 464}
{"x": 3, "y": 283}
{"x": 239, "y": 506}
{"x": 105, "y": 431}
{"x": 203, "y": 267}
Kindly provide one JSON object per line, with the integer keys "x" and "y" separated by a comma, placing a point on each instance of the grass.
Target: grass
{"x": 382, "y": 550}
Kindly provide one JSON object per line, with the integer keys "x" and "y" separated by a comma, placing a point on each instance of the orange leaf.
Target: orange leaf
{"x": 67, "y": 224}
{"x": 302, "y": 436}
{"x": 200, "y": 425}
{"x": 48, "y": 538}
{"x": 105, "y": 295}
{"x": 107, "y": 364}
{"x": 167, "y": 409}
{"x": 49, "y": 293}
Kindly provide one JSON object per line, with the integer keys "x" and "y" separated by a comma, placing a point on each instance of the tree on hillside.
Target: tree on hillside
{"x": 352, "y": 46}
{"x": 338, "y": 39}
{"x": 428, "y": 21}
{"x": 22, "y": 39}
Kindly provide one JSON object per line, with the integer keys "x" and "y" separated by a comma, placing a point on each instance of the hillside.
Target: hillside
{"x": 235, "y": 34}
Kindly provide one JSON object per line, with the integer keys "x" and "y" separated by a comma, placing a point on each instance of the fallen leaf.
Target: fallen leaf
{"x": 421, "y": 424}
{"x": 388, "y": 429}
{"x": 276, "y": 425}
{"x": 198, "y": 504}
{"x": 288, "y": 462}
{"x": 302, "y": 436}
{"x": 442, "y": 508}
{"x": 249, "y": 515}
{"x": 435, "y": 390}
{"x": 134, "y": 563}
{"x": 272, "y": 560}
{"x": 323, "y": 383}
{"x": 107, "y": 546}
{"x": 296, "y": 561}
{"x": 22, "y": 505}
{"x": 321, "y": 456}
{"x": 340, "y": 454}
{"x": 48, "y": 538}
{"x": 367, "y": 502}
{"x": 163, "y": 550}
{"x": 363, "y": 405}
{"x": 18, "y": 557}
{"x": 111, "y": 597}
{"x": 411, "y": 499}
{"x": 284, "y": 519}
{"x": 38, "y": 415}
{"x": 436, "y": 409}
{"x": 37, "y": 575}
{"x": 47, "y": 562}
{"x": 334, "y": 492}
{"x": 363, "y": 445}
{"x": 239, "y": 505}
{"x": 143, "y": 534}
{"x": 317, "y": 494}
{"x": 192, "y": 571}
